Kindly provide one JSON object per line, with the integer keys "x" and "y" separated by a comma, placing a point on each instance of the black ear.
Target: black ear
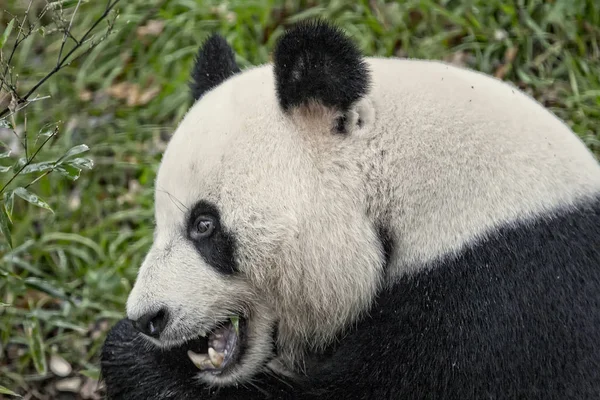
{"x": 214, "y": 63}
{"x": 318, "y": 62}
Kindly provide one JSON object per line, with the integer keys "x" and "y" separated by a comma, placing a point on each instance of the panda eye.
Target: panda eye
{"x": 203, "y": 227}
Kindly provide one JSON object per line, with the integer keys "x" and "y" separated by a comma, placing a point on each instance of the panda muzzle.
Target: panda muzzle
{"x": 223, "y": 347}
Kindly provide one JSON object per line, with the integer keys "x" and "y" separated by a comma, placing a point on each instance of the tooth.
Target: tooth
{"x": 217, "y": 345}
{"x": 203, "y": 333}
{"x": 197, "y": 359}
{"x": 215, "y": 358}
{"x": 201, "y": 361}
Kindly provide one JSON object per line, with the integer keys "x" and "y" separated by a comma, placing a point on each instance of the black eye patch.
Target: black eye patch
{"x": 214, "y": 243}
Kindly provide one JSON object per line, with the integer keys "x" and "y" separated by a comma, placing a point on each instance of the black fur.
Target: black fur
{"x": 340, "y": 124}
{"x": 315, "y": 61}
{"x": 133, "y": 370}
{"x": 387, "y": 243}
{"x": 217, "y": 250}
{"x": 516, "y": 316}
{"x": 214, "y": 64}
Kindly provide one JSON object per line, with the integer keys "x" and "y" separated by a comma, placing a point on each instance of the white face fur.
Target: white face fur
{"x": 292, "y": 196}
{"x": 439, "y": 162}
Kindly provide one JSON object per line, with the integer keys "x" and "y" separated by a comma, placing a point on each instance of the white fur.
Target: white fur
{"x": 444, "y": 155}
{"x": 466, "y": 153}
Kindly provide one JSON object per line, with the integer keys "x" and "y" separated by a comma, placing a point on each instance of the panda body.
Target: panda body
{"x": 384, "y": 228}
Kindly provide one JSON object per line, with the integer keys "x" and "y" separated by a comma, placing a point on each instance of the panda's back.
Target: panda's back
{"x": 442, "y": 104}
{"x": 467, "y": 154}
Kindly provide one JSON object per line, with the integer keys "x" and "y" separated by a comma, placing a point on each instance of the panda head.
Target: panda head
{"x": 263, "y": 245}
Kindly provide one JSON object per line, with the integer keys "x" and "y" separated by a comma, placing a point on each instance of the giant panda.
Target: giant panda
{"x": 334, "y": 226}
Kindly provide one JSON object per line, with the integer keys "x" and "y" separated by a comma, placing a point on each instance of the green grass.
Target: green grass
{"x": 69, "y": 273}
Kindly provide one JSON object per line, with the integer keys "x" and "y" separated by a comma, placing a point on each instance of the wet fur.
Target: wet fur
{"x": 441, "y": 173}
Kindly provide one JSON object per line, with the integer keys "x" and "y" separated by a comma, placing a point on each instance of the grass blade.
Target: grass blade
{"x": 36, "y": 346}
{"x": 4, "y": 225}
{"x": 7, "y": 391}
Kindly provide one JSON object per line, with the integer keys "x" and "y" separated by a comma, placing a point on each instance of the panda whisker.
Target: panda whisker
{"x": 278, "y": 378}
{"x": 263, "y": 391}
{"x": 174, "y": 200}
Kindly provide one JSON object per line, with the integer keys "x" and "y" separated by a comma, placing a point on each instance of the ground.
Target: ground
{"x": 66, "y": 278}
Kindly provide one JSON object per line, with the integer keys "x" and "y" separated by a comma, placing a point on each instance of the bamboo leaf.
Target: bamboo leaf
{"x": 6, "y": 33}
{"x": 69, "y": 171}
{"x": 45, "y": 134}
{"x": 235, "y": 321}
{"x": 38, "y": 167}
{"x": 73, "y": 151}
{"x": 4, "y": 225}
{"x": 64, "y": 4}
{"x": 32, "y": 198}
{"x": 9, "y": 202}
{"x": 19, "y": 164}
{"x": 81, "y": 163}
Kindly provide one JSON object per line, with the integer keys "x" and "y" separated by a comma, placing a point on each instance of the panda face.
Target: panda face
{"x": 261, "y": 215}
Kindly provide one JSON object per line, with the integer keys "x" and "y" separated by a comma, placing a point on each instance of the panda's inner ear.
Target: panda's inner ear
{"x": 317, "y": 63}
{"x": 214, "y": 63}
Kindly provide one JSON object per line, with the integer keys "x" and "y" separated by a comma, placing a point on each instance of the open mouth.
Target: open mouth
{"x": 219, "y": 350}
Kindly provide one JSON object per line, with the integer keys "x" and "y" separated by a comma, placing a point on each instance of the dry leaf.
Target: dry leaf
{"x": 132, "y": 93}
{"x": 120, "y": 90}
{"x": 4, "y": 99}
{"x": 85, "y": 95}
{"x": 14, "y": 102}
{"x": 501, "y": 71}
{"x": 401, "y": 53}
{"x": 148, "y": 95}
{"x": 509, "y": 56}
{"x": 459, "y": 58}
{"x": 500, "y": 34}
{"x": 69, "y": 384}
{"x": 152, "y": 28}
{"x": 90, "y": 389}
{"x": 99, "y": 329}
{"x": 129, "y": 197}
{"x": 35, "y": 296}
{"x": 59, "y": 366}
{"x": 74, "y": 201}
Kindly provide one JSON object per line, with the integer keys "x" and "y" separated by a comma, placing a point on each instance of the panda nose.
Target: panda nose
{"x": 152, "y": 323}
